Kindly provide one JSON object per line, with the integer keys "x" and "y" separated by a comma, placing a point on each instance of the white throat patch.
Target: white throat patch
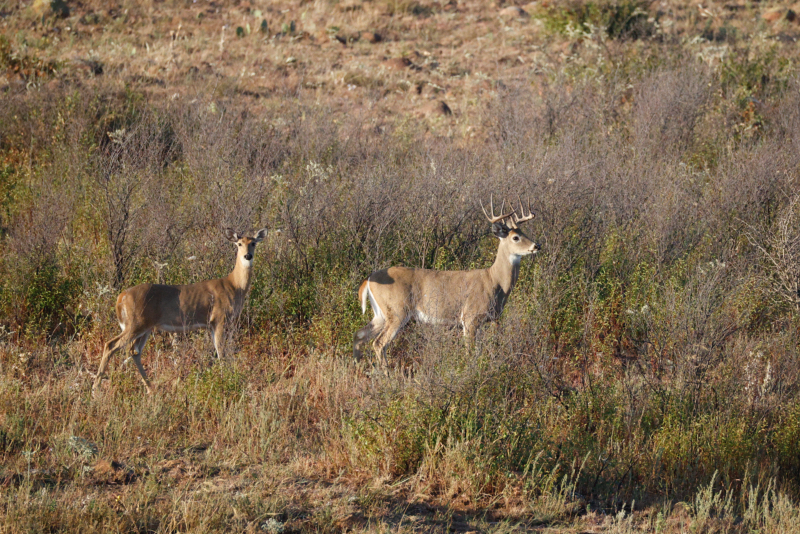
{"x": 514, "y": 259}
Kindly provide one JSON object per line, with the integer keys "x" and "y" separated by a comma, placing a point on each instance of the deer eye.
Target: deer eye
{"x": 515, "y": 238}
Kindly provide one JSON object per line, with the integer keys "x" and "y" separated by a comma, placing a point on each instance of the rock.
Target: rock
{"x": 350, "y": 5}
{"x": 347, "y": 39}
{"x": 397, "y": 63}
{"x": 436, "y": 108}
{"x": 273, "y": 526}
{"x": 82, "y": 446}
{"x": 513, "y": 12}
{"x": 91, "y": 19}
{"x": 428, "y": 89}
{"x": 89, "y": 66}
{"x": 531, "y": 6}
{"x": 111, "y": 472}
{"x": 46, "y": 8}
{"x": 106, "y": 469}
{"x": 53, "y": 85}
{"x": 773, "y": 15}
{"x": 370, "y": 37}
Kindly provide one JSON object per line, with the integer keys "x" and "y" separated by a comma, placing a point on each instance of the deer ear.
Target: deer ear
{"x": 260, "y": 235}
{"x": 231, "y": 235}
{"x": 500, "y": 230}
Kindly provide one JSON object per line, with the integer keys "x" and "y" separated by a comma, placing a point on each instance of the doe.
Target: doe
{"x": 210, "y": 304}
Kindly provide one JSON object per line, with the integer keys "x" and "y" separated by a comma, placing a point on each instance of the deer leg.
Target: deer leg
{"x": 138, "y": 346}
{"x": 110, "y": 348}
{"x": 470, "y": 333}
{"x": 389, "y": 332}
{"x": 364, "y": 335}
{"x": 218, "y": 328}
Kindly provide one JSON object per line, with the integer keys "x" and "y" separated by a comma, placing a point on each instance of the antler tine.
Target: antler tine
{"x": 519, "y": 220}
{"x": 492, "y": 218}
{"x": 484, "y": 209}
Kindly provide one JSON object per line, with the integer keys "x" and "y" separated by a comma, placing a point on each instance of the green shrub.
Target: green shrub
{"x": 218, "y": 385}
{"x": 625, "y": 19}
{"x": 47, "y": 303}
{"x": 786, "y": 437}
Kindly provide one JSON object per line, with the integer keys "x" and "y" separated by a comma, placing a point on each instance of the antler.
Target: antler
{"x": 517, "y": 220}
{"x": 492, "y": 218}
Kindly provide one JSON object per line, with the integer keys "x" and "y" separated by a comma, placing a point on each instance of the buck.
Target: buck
{"x": 211, "y": 304}
{"x": 454, "y": 298}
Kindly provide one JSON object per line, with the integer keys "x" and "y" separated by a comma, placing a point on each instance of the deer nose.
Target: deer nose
{"x": 248, "y": 256}
{"x": 537, "y": 246}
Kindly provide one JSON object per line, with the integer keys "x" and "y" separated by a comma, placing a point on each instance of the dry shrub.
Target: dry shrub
{"x": 667, "y": 108}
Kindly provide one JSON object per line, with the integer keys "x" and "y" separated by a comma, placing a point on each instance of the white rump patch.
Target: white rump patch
{"x": 375, "y": 308}
{"x": 124, "y": 315}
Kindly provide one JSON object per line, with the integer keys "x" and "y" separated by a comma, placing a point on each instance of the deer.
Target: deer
{"x": 451, "y": 298}
{"x": 211, "y": 304}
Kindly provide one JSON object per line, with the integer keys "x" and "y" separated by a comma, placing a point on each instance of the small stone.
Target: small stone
{"x": 370, "y": 37}
{"x": 90, "y": 66}
{"x": 531, "y": 6}
{"x": 350, "y": 5}
{"x": 82, "y": 446}
{"x": 44, "y": 8}
{"x": 397, "y": 63}
{"x": 773, "y": 15}
{"x": 273, "y": 526}
{"x": 91, "y": 19}
{"x": 428, "y": 89}
{"x": 436, "y": 108}
{"x": 106, "y": 469}
{"x": 512, "y": 12}
{"x": 346, "y": 39}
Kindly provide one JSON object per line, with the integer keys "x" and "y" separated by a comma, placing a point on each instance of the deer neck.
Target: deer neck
{"x": 240, "y": 277}
{"x": 505, "y": 270}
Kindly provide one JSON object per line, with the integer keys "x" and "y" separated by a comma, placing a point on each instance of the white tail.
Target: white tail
{"x": 209, "y": 304}
{"x": 363, "y": 293}
{"x": 464, "y": 298}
